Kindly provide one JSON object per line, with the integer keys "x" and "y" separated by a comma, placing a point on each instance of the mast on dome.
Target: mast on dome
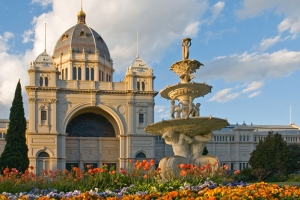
{"x": 81, "y": 15}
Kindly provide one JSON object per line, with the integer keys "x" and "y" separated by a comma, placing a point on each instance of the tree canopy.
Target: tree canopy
{"x": 271, "y": 156}
{"x": 15, "y": 151}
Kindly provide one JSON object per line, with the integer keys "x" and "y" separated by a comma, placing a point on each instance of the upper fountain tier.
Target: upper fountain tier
{"x": 184, "y": 68}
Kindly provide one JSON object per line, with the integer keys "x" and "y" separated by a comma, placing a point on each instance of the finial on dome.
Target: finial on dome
{"x": 81, "y": 15}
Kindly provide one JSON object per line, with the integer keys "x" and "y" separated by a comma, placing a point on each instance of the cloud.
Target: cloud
{"x": 43, "y": 3}
{"x": 254, "y": 94}
{"x": 266, "y": 43}
{"x": 117, "y": 22}
{"x": 249, "y": 67}
{"x": 253, "y": 86}
{"x": 224, "y": 95}
{"x": 216, "y": 10}
{"x": 292, "y": 24}
{"x": 229, "y": 94}
{"x": 27, "y": 36}
{"x": 4, "y": 41}
{"x": 12, "y": 69}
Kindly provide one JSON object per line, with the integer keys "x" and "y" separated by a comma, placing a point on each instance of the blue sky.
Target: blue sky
{"x": 250, "y": 49}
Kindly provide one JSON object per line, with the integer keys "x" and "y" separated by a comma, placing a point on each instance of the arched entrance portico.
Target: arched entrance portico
{"x": 91, "y": 139}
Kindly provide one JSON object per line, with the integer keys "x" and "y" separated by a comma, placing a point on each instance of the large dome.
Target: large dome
{"x": 81, "y": 37}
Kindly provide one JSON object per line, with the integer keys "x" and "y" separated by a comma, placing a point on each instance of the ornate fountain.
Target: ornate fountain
{"x": 187, "y": 131}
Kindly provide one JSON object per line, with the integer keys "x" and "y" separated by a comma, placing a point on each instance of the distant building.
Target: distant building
{"x": 233, "y": 144}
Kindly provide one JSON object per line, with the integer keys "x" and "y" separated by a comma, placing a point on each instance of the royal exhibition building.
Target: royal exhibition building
{"x": 78, "y": 115}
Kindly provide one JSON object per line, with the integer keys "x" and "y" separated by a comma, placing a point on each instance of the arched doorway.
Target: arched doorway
{"x": 92, "y": 139}
{"x": 43, "y": 162}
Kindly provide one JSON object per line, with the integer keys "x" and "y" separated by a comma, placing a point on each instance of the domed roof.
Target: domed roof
{"x": 43, "y": 60}
{"x": 81, "y": 37}
{"x": 138, "y": 63}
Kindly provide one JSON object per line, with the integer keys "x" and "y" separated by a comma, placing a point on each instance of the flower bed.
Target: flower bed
{"x": 140, "y": 181}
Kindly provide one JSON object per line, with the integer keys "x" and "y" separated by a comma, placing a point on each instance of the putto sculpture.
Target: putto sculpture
{"x": 187, "y": 131}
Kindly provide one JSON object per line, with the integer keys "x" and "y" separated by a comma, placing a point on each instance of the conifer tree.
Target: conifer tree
{"x": 205, "y": 151}
{"x": 15, "y": 151}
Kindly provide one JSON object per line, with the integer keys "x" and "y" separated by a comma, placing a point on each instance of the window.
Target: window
{"x": 63, "y": 74}
{"x": 231, "y": 166}
{"x": 111, "y": 166}
{"x": 143, "y": 86}
{"x": 138, "y": 85}
{"x": 99, "y": 75}
{"x": 74, "y": 73}
{"x": 46, "y": 81}
{"x": 90, "y": 166}
{"x": 87, "y": 74}
{"x": 92, "y": 74}
{"x": 140, "y": 155}
{"x": 102, "y": 76}
{"x": 43, "y": 154}
{"x": 41, "y": 81}
{"x": 141, "y": 118}
{"x": 66, "y": 73}
{"x": 79, "y": 73}
{"x": 43, "y": 115}
{"x": 70, "y": 166}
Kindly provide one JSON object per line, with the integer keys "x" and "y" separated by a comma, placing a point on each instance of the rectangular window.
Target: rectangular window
{"x": 43, "y": 115}
{"x": 111, "y": 166}
{"x": 231, "y": 166}
{"x": 69, "y": 166}
{"x": 141, "y": 118}
{"x": 88, "y": 166}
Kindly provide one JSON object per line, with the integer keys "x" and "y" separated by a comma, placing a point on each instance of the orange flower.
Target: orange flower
{"x": 237, "y": 172}
{"x": 182, "y": 166}
{"x": 31, "y": 167}
{"x": 131, "y": 161}
{"x": 152, "y": 162}
{"x": 146, "y": 176}
{"x": 183, "y": 173}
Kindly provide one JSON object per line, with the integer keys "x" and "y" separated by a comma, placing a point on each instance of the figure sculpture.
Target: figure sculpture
{"x": 180, "y": 143}
{"x": 198, "y": 145}
{"x": 174, "y": 109}
{"x": 186, "y": 43}
{"x": 196, "y": 112}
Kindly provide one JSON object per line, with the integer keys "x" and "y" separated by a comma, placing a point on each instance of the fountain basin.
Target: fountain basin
{"x": 190, "y": 126}
{"x": 182, "y": 91}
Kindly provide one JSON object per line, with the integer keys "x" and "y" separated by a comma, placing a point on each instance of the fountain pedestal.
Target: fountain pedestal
{"x": 187, "y": 131}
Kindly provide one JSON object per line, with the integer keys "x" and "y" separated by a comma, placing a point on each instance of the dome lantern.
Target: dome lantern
{"x": 81, "y": 17}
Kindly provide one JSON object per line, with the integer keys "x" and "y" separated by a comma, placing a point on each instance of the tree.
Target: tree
{"x": 205, "y": 151}
{"x": 270, "y": 156}
{"x": 15, "y": 151}
{"x": 294, "y": 157}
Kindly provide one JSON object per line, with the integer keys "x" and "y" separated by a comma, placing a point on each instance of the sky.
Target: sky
{"x": 250, "y": 49}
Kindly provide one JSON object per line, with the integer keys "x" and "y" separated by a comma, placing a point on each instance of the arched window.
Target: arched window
{"x": 87, "y": 74}
{"x": 143, "y": 86}
{"x": 46, "y": 81}
{"x": 43, "y": 154}
{"x": 79, "y": 73}
{"x": 92, "y": 74}
{"x": 41, "y": 81}
{"x": 66, "y": 73}
{"x": 74, "y": 73}
{"x": 63, "y": 74}
{"x": 140, "y": 155}
{"x": 138, "y": 85}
